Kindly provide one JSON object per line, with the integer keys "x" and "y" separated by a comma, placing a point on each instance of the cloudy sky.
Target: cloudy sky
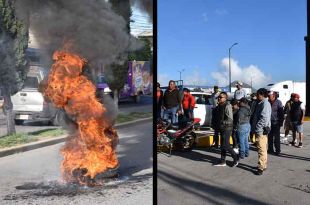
{"x": 195, "y": 35}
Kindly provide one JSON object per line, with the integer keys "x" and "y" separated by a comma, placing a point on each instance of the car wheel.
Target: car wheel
{"x": 59, "y": 118}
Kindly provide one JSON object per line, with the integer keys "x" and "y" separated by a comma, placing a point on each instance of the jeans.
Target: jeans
{"x": 216, "y": 138}
{"x": 274, "y": 138}
{"x": 188, "y": 113}
{"x": 158, "y": 111}
{"x": 235, "y": 139}
{"x": 171, "y": 113}
{"x": 225, "y": 146}
{"x": 243, "y": 133}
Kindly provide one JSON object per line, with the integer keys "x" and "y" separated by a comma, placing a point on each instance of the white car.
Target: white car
{"x": 203, "y": 107}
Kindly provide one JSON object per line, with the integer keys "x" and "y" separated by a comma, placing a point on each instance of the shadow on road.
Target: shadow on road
{"x": 294, "y": 157}
{"x": 206, "y": 192}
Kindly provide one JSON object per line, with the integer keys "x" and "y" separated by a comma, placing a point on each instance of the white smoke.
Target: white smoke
{"x": 259, "y": 78}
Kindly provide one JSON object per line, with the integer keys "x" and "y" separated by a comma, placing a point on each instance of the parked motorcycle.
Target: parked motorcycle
{"x": 180, "y": 137}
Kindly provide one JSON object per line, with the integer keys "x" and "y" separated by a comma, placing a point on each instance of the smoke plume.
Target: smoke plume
{"x": 146, "y": 6}
{"x": 89, "y": 28}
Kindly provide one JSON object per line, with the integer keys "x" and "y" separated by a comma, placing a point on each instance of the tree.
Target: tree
{"x": 13, "y": 64}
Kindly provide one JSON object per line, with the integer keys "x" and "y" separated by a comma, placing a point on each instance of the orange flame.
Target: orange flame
{"x": 92, "y": 149}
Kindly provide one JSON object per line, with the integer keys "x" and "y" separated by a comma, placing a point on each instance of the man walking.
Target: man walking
{"x": 172, "y": 102}
{"x": 297, "y": 115}
{"x": 261, "y": 124}
{"x": 277, "y": 118}
{"x": 188, "y": 103}
{"x": 287, "y": 110}
{"x": 224, "y": 111}
{"x": 214, "y": 96}
{"x": 240, "y": 92}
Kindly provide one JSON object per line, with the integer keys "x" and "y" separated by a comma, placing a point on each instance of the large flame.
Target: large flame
{"x": 92, "y": 149}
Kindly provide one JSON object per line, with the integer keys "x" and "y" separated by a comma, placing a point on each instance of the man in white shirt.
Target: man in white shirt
{"x": 240, "y": 92}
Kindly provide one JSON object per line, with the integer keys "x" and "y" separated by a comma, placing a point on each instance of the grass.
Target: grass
{"x": 132, "y": 116}
{"x": 23, "y": 138}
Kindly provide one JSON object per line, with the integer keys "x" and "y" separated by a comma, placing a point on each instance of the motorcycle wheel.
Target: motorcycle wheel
{"x": 188, "y": 142}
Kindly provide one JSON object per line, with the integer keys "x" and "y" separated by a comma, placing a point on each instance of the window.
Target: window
{"x": 285, "y": 86}
{"x": 31, "y": 82}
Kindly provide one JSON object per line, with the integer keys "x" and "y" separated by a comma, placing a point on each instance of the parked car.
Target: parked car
{"x": 203, "y": 108}
{"x": 29, "y": 104}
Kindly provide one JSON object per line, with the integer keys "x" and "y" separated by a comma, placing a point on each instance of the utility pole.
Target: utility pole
{"x": 229, "y": 66}
{"x": 307, "y": 39}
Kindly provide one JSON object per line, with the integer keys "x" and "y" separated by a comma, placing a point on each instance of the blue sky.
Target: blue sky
{"x": 195, "y": 35}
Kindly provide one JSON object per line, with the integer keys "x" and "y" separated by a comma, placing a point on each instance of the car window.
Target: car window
{"x": 31, "y": 82}
{"x": 203, "y": 99}
{"x": 101, "y": 79}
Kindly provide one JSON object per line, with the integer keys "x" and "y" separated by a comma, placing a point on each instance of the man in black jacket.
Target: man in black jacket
{"x": 225, "y": 122}
{"x": 277, "y": 119}
{"x": 171, "y": 102}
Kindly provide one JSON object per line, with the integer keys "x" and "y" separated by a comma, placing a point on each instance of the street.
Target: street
{"x": 190, "y": 178}
{"x": 33, "y": 177}
{"x": 125, "y": 107}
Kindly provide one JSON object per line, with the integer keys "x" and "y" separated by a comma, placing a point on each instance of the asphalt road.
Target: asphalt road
{"x": 33, "y": 177}
{"x": 190, "y": 178}
{"x": 125, "y": 107}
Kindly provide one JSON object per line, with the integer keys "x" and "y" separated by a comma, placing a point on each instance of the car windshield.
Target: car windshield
{"x": 203, "y": 99}
{"x": 101, "y": 79}
{"x": 31, "y": 82}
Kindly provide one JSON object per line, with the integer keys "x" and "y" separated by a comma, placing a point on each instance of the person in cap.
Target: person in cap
{"x": 188, "y": 103}
{"x": 243, "y": 127}
{"x": 287, "y": 110}
{"x": 297, "y": 115}
{"x": 261, "y": 126}
{"x": 240, "y": 92}
{"x": 277, "y": 119}
{"x": 225, "y": 126}
{"x": 215, "y": 94}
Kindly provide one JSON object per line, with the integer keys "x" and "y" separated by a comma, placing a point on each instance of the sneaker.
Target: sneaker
{"x": 236, "y": 150}
{"x": 235, "y": 164}
{"x": 300, "y": 145}
{"x": 221, "y": 164}
{"x": 259, "y": 172}
{"x": 292, "y": 143}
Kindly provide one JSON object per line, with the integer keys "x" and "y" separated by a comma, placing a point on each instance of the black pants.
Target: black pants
{"x": 225, "y": 146}
{"x": 235, "y": 139}
{"x": 274, "y": 138}
{"x": 216, "y": 138}
{"x": 158, "y": 111}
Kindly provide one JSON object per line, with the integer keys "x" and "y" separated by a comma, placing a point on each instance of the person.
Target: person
{"x": 159, "y": 100}
{"x": 188, "y": 103}
{"x": 215, "y": 94}
{"x": 225, "y": 122}
{"x": 235, "y": 108}
{"x": 215, "y": 126}
{"x": 240, "y": 92}
{"x": 243, "y": 127}
{"x": 171, "y": 102}
{"x": 252, "y": 106}
{"x": 277, "y": 119}
{"x": 261, "y": 124}
{"x": 287, "y": 124}
{"x": 297, "y": 114}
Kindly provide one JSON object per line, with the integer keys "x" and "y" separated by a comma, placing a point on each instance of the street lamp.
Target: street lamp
{"x": 230, "y": 67}
{"x": 181, "y": 73}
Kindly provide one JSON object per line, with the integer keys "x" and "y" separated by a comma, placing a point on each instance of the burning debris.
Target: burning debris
{"x": 91, "y": 150}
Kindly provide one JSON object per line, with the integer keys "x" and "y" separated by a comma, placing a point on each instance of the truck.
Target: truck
{"x": 29, "y": 103}
{"x": 139, "y": 81}
{"x": 286, "y": 88}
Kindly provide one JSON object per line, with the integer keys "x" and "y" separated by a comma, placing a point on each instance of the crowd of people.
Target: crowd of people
{"x": 262, "y": 116}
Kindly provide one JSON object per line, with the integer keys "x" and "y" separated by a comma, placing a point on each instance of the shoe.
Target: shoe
{"x": 292, "y": 143}
{"x": 241, "y": 157}
{"x": 300, "y": 145}
{"x": 270, "y": 152}
{"x": 259, "y": 172}
{"x": 235, "y": 164}
{"x": 236, "y": 150}
{"x": 221, "y": 164}
{"x": 277, "y": 153}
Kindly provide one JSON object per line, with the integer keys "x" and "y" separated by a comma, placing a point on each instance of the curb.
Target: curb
{"x": 62, "y": 138}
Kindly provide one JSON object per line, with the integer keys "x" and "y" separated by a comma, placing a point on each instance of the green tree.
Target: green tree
{"x": 13, "y": 64}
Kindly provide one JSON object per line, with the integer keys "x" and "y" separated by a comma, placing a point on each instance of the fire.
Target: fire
{"x": 91, "y": 150}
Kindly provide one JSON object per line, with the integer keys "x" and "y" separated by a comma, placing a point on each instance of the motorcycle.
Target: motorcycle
{"x": 175, "y": 136}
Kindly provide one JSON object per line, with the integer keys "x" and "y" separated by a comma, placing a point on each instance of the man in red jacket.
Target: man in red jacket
{"x": 188, "y": 104}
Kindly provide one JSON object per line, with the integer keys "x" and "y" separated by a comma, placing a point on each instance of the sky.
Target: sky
{"x": 140, "y": 21}
{"x": 195, "y": 35}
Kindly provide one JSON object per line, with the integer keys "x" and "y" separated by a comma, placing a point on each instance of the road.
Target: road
{"x": 33, "y": 177}
{"x": 190, "y": 178}
{"x": 125, "y": 107}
